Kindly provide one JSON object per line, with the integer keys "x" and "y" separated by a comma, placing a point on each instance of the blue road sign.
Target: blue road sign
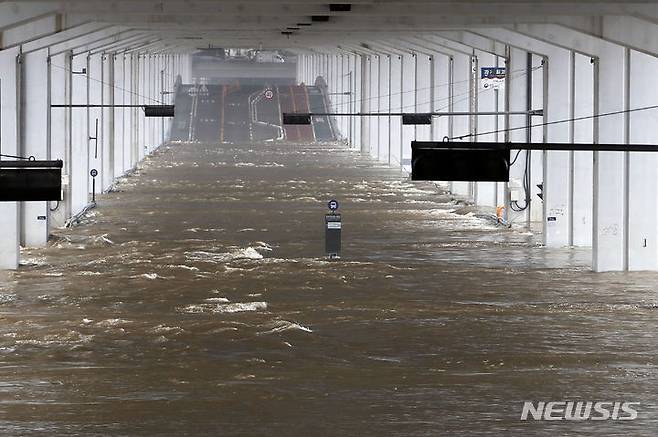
{"x": 93, "y": 173}
{"x": 333, "y": 205}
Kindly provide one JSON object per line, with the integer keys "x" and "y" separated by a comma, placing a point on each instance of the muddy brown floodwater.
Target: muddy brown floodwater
{"x": 196, "y": 301}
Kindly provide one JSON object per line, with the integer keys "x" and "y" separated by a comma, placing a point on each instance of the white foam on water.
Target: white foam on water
{"x": 285, "y": 325}
{"x": 183, "y": 266}
{"x": 67, "y": 337}
{"x": 164, "y": 329}
{"x": 247, "y": 253}
{"x": 239, "y": 307}
{"x": 103, "y": 238}
{"x": 228, "y": 269}
{"x": 7, "y": 298}
{"x": 33, "y": 262}
{"x": 151, "y": 276}
{"x": 217, "y": 300}
{"x": 224, "y": 308}
{"x": 261, "y": 245}
{"x": 113, "y": 322}
{"x": 88, "y": 273}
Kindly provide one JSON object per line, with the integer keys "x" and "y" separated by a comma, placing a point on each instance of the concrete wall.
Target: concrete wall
{"x": 604, "y": 200}
{"x": 60, "y": 70}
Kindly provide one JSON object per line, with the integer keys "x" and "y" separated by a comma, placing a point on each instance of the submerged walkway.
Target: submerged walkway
{"x": 196, "y": 300}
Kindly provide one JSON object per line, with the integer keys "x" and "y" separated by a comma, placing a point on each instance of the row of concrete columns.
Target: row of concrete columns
{"x": 604, "y": 200}
{"x": 31, "y": 81}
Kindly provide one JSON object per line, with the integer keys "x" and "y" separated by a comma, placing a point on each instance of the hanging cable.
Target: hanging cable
{"x": 522, "y": 72}
{"x": 113, "y": 86}
{"x": 514, "y": 205}
{"x": 29, "y": 158}
{"x": 555, "y": 122}
{"x": 515, "y": 158}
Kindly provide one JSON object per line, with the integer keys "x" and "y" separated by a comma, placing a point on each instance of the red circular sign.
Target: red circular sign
{"x": 269, "y": 94}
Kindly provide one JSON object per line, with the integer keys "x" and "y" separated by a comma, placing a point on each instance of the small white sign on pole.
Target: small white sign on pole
{"x": 493, "y": 77}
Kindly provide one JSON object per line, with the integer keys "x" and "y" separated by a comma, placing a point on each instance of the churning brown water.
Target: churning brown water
{"x": 196, "y": 301}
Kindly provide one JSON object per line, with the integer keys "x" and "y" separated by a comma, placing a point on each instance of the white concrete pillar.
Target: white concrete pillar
{"x": 519, "y": 95}
{"x": 610, "y": 221}
{"x": 108, "y": 137}
{"x": 143, "y": 86}
{"x": 384, "y": 106}
{"x": 157, "y": 84}
{"x": 486, "y": 193}
{"x": 557, "y": 175}
{"x": 442, "y": 85}
{"x": 358, "y": 101}
{"x": 127, "y": 114}
{"x": 364, "y": 96}
{"x": 136, "y": 114}
{"x": 353, "y": 104}
{"x": 461, "y": 102}
{"x": 395, "y": 104}
{"x": 300, "y": 69}
{"x": 538, "y": 135}
{"x": 314, "y": 62}
{"x": 642, "y": 180}
{"x": 373, "y": 106}
{"x": 303, "y": 68}
{"x": 582, "y": 165}
{"x": 35, "y": 124}
{"x": 338, "y": 103}
{"x": 119, "y": 121}
{"x": 10, "y": 145}
{"x": 95, "y": 118}
{"x": 424, "y": 93}
{"x": 164, "y": 98}
{"x": 310, "y": 65}
{"x": 60, "y": 132}
{"x": 408, "y": 104}
{"x": 331, "y": 65}
{"x": 148, "y": 95}
{"x": 79, "y": 166}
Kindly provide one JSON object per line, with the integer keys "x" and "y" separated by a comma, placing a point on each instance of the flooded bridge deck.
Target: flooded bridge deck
{"x": 196, "y": 300}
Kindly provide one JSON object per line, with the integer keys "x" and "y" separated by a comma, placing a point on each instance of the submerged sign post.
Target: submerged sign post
{"x": 93, "y": 173}
{"x": 493, "y": 77}
{"x": 333, "y": 227}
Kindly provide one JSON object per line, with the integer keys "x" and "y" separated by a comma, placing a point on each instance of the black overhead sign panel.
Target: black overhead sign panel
{"x": 296, "y": 119}
{"x": 459, "y": 162}
{"x": 30, "y": 181}
{"x": 412, "y": 119}
{"x": 487, "y": 161}
{"x": 159, "y": 110}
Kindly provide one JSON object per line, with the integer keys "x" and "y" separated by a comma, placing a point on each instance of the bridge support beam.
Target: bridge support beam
{"x": 9, "y": 144}
{"x": 35, "y": 127}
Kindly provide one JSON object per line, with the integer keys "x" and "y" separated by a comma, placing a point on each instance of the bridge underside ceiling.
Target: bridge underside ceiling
{"x": 584, "y": 64}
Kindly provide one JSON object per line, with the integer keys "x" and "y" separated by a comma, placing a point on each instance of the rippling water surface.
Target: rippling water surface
{"x": 195, "y": 301}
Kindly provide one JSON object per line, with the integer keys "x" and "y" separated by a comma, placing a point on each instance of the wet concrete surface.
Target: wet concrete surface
{"x": 195, "y": 300}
